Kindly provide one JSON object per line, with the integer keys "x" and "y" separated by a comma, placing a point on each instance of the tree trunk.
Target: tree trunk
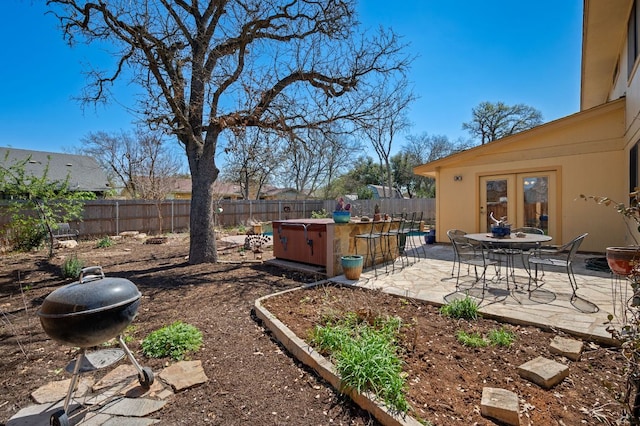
{"x": 202, "y": 242}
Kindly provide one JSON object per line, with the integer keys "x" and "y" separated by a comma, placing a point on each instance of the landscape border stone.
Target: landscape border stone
{"x": 308, "y": 356}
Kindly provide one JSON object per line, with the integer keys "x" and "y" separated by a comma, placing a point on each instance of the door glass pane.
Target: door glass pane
{"x": 536, "y": 202}
{"x": 497, "y": 200}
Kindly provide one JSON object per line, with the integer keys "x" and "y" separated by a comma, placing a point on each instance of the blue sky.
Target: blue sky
{"x": 468, "y": 52}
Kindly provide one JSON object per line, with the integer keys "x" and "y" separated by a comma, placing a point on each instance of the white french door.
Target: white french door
{"x": 525, "y": 199}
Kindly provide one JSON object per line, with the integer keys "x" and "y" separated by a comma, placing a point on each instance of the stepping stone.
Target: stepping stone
{"x": 543, "y": 372}
{"x": 56, "y": 391}
{"x": 117, "y": 375}
{"x": 501, "y": 405}
{"x": 138, "y": 407}
{"x": 184, "y": 374}
{"x": 568, "y": 348}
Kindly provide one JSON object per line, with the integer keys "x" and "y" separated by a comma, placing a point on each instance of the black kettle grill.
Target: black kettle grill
{"x": 86, "y": 313}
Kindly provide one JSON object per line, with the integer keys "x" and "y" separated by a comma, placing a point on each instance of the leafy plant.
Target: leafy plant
{"x": 342, "y": 205}
{"x": 37, "y": 202}
{"x": 319, "y": 214}
{"x": 366, "y": 356}
{"x": 105, "y": 242}
{"x": 466, "y": 308}
{"x": 501, "y": 337}
{"x": 173, "y": 341}
{"x": 71, "y": 267}
{"x": 26, "y": 233}
{"x": 473, "y": 340}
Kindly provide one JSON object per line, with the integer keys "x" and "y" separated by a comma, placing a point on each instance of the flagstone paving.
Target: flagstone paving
{"x": 548, "y": 306}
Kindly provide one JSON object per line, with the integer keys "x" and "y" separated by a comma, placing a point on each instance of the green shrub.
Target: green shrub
{"x": 71, "y": 267}
{"x": 366, "y": 356}
{"x": 105, "y": 242}
{"x": 320, "y": 214}
{"x": 466, "y": 308}
{"x": 173, "y": 341}
{"x": 27, "y": 234}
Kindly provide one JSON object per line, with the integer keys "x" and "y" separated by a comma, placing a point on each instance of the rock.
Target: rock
{"x": 68, "y": 244}
{"x": 501, "y": 405}
{"x": 184, "y": 374}
{"x": 544, "y": 372}
{"x": 568, "y": 348}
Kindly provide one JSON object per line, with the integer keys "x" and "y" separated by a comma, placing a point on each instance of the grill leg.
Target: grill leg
{"x": 74, "y": 380}
{"x": 145, "y": 375}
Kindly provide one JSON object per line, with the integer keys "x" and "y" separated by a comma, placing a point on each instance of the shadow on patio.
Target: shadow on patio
{"x": 549, "y": 306}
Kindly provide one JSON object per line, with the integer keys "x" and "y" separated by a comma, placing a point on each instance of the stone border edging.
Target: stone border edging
{"x": 308, "y": 356}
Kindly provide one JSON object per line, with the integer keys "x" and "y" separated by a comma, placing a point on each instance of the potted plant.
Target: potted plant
{"x": 376, "y": 213}
{"x": 352, "y": 266}
{"x": 624, "y": 260}
{"x": 342, "y": 212}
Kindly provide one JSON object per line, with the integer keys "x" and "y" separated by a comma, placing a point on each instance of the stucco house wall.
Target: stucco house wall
{"x": 585, "y": 151}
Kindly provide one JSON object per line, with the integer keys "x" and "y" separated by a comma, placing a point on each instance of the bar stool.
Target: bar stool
{"x": 415, "y": 231}
{"x": 397, "y": 238}
{"x": 372, "y": 240}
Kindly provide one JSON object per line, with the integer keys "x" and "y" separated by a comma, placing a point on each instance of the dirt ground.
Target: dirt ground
{"x": 252, "y": 379}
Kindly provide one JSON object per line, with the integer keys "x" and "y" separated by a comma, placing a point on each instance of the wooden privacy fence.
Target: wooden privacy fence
{"x": 110, "y": 217}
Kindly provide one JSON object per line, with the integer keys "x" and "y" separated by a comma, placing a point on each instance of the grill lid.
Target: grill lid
{"x": 92, "y": 293}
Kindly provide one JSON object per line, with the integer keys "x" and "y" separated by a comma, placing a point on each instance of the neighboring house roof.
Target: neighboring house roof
{"x": 272, "y": 191}
{"x": 379, "y": 191}
{"x": 183, "y": 186}
{"x": 85, "y": 174}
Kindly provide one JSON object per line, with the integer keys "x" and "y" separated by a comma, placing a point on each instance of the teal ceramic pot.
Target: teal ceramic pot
{"x": 352, "y": 266}
{"x": 341, "y": 216}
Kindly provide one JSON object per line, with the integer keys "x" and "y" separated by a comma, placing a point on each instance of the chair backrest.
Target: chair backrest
{"x": 573, "y": 246}
{"x": 452, "y": 233}
{"x": 528, "y": 230}
{"x": 416, "y": 220}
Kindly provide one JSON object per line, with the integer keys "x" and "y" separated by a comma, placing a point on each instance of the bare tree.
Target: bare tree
{"x": 313, "y": 158}
{"x": 390, "y": 118}
{"x": 139, "y": 162}
{"x": 491, "y": 121}
{"x": 252, "y": 159}
{"x": 420, "y": 149}
{"x": 215, "y": 66}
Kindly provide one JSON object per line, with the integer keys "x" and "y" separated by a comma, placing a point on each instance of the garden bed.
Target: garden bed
{"x": 445, "y": 378}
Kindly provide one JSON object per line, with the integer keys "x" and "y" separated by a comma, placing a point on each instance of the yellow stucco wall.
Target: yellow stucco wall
{"x": 586, "y": 152}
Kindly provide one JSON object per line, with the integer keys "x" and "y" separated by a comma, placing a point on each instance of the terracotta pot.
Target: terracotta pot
{"x": 352, "y": 266}
{"x": 621, "y": 260}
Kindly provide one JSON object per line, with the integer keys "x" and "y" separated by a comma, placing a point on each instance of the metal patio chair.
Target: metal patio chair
{"x": 561, "y": 256}
{"x": 470, "y": 254}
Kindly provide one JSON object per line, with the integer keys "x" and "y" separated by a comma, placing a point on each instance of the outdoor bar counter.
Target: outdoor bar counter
{"x": 322, "y": 242}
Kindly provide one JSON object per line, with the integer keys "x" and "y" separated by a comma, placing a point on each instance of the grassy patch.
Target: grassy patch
{"x": 366, "y": 356}
{"x": 501, "y": 337}
{"x": 472, "y": 340}
{"x": 466, "y": 308}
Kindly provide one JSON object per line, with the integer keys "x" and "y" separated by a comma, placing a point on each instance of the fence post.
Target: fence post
{"x": 172, "y": 216}
{"x": 117, "y": 219}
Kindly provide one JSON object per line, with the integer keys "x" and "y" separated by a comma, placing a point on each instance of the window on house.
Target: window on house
{"x": 633, "y": 167}
{"x": 633, "y": 38}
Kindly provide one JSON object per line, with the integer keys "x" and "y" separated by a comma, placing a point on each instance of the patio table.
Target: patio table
{"x": 511, "y": 245}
